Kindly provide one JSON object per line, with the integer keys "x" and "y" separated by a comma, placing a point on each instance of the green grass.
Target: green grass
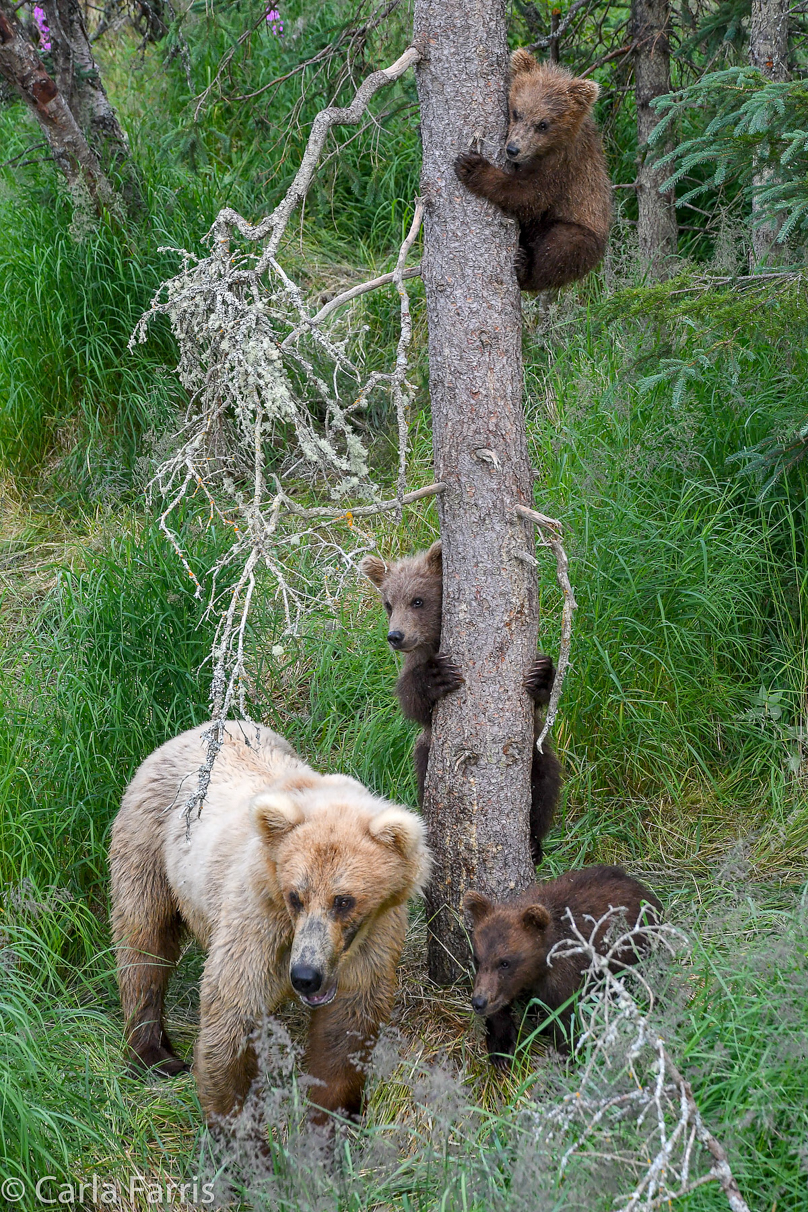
{"x": 680, "y": 719}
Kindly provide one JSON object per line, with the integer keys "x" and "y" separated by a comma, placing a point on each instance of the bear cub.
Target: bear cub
{"x": 511, "y": 941}
{"x": 556, "y": 184}
{"x": 412, "y": 593}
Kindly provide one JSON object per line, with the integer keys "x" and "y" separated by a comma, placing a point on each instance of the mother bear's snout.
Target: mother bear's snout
{"x": 305, "y": 978}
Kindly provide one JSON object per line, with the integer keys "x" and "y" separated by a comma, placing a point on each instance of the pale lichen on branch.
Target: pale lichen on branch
{"x": 264, "y": 373}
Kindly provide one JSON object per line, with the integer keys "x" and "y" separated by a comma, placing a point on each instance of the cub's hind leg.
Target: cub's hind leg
{"x": 556, "y": 254}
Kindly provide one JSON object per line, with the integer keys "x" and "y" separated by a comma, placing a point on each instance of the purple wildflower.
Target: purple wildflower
{"x": 274, "y": 19}
{"x": 42, "y": 26}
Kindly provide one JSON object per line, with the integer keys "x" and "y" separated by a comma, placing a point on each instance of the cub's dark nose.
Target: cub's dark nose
{"x": 512, "y": 150}
{"x": 479, "y": 1003}
{"x": 305, "y": 979}
{"x": 395, "y": 638}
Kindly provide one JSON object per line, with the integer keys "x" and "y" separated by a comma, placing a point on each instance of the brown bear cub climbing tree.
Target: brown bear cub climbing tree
{"x": 412, "y": 594}
{"x": 296, "y": 884}
{"x": 512, "y": 939}
{"x": 556, "y": 184}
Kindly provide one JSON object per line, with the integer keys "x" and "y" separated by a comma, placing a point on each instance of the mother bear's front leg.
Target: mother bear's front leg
{"x": 341, "y": 1039}
{"x": 235, "y": 998}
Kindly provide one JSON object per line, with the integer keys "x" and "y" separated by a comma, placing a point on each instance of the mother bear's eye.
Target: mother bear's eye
{"x": 417, "y": 601}
{"x": 295, "y": 903}
{"x": 343, "y": 904}
{"x": 504, "y": 963}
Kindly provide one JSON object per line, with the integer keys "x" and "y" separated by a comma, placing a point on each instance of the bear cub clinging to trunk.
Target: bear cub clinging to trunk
{"x": 557, "y": 187}
{"x": 511, "y": 942}
{"x": 412, "y": 593}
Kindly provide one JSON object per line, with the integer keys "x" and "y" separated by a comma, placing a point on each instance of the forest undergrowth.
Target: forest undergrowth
{"x": 683, "y": 720}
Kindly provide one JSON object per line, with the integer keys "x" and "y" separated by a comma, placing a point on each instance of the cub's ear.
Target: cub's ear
{"x": 374, "y": 569}
{"x": 274, "y": 815}
{"x": 522, "y": 61}
{"x": 434, "y": 558}
{"x": 476, "y": 906}
{"x": 403, "y": 831}
{"x": 536, "y": 917}
{"x": 584, "y": 93}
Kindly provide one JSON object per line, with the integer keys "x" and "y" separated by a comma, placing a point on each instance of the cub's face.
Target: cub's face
{"x": 337, "y": 871}
{"x": 546, "y": 107}
{"x": 412, "y": 595}
{"x": 510, "y": 949}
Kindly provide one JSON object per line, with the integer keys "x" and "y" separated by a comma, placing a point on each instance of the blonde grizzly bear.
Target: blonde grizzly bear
{"x": 294, "y": 882}
{"x": 556, "y": 184}
{"x": 412, "y": 594}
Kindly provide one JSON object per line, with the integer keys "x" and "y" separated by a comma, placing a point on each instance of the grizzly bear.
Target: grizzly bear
{"x": 511, "y": 941}
{"x": 412, "y": 594}
{"x": 556, "y": 184}
{"x": 294, "y": 882}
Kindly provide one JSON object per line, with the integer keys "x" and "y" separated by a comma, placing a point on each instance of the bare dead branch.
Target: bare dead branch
{"x": 551, "y": 39}
{"x": 552, "y": 529}
{"x": 275, "y": 224}
{"x": 355, "y": 291}
{"x": 401, "y": 390}
{"x": 618, "y": 1038}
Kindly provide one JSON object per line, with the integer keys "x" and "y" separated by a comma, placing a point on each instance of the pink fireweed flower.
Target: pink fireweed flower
{"x": 42, "y": 26}
{"x": 274, "y": 19}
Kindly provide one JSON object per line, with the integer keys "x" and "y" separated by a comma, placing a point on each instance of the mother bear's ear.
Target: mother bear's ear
{"x": 274, "y": 815}
{"x": 403, "y": 832}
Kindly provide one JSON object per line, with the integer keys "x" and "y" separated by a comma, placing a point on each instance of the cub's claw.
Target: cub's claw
{"x": 444, "y": 675}
{"x": 469, "y": 167}
{"x": 500, "y": 1061}
{"x": 521, "y": 264}
{"x": 538, "y": 681}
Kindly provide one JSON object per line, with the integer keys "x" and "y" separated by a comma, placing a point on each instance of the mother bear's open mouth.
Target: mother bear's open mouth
{"x": 319, "y": 999}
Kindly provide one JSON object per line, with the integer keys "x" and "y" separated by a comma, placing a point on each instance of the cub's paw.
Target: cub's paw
{"x": 521, "y": 264}
{"x": 470, "y": 168}
{"x": 501, "y": 1061}
{"x": 538, "y": 680}
{"x": 443, "y": 676}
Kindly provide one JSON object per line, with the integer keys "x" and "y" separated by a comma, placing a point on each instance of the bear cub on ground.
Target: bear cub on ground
{"x": 557, "y": 187}
{"x": 296, "y": 884}
{"x": 511, "y": 941}
{"x": 412, "y": 593}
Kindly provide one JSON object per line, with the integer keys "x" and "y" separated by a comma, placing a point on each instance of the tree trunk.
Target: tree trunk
{"x": 768, "y": 52}
{"x": 656, "y": 223}
{"x": 21, "y": 67}
{"x": 79, "y": 81}
{"x": 478, "y": 783}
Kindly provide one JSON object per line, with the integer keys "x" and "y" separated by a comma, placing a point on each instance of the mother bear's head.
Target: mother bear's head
{"x": 340, "y": 860}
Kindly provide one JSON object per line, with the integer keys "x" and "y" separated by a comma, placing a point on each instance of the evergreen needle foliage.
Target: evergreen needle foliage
{"x": 754, "y": 124}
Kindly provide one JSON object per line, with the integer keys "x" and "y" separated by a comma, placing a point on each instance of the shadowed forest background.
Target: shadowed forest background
{"x": 667, "y": 420}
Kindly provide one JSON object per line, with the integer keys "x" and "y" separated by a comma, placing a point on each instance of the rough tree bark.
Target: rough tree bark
{"x": 768, "y": 52}
{"x": 656, "y": 220}
{"x": 79, "y": 81}
{"x": 478, "y": 783}
{"x": 21, "y": 67}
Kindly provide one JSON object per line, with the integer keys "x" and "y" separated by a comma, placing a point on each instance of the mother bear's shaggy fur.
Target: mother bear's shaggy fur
{"x": 293, "y": 881}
